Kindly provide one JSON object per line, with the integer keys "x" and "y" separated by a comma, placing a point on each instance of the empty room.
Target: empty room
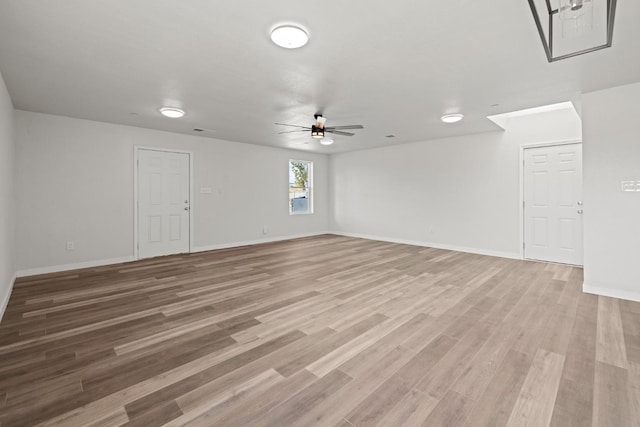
{"x": 328, "y": 213}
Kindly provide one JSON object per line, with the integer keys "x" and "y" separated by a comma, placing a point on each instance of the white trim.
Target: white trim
{"x": 510, "y": 255}
{"x": 74, "y": 266}
{"x": 608, "y": 292}
{"x": 311, "y": 189}
{"x": 111, "y": 261}
{"x": 256, "y": 242}
{"x": 136, "y": 149}
{"x": 521, "y": 178}
{"x": 550, "y": 143}
{"x": 7, "y": 297}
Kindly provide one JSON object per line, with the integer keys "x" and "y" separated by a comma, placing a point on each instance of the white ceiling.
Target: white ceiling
{"x": 394, "y": 67}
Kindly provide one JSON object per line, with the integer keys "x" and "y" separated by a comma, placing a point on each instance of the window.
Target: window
{"x": 300, "y": 185}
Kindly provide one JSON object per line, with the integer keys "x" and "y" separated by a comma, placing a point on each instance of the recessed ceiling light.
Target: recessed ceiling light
{"x": 289, "y": 36}
{"x": 172, "y": 112}
{"x": 452, "y": 118}
{"x": 326, "y": 141}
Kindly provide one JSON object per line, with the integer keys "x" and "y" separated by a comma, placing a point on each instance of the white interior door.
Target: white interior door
{"x": 553, "y": 203}
{"x": 163, "y": 203}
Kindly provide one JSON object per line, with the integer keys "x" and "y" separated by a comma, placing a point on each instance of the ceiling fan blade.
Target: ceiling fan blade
{"x": 346, "y": 127}
{"x": 337, "y": 132}
{"x": 293, "y": 131}
{"x": 294, "y": 126}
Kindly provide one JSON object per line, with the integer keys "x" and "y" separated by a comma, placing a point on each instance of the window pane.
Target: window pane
{"x": 300, "y": 179}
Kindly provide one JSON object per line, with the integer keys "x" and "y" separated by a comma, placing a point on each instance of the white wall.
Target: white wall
{"x": 461, "y": 193}
{"x": 612, "y": 217}
{"x": 75, "y": 183}
{"x": 7, "y": 147}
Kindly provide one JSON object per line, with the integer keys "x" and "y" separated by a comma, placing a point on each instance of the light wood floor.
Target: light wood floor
{"x": 323, "y": 331}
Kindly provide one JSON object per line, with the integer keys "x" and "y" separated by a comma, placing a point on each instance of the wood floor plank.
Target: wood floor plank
{"x": 631, "y": 334}
{"x": 289, "y": 412}
{"x": 252, "y": 410}
{"x": 452, "y": 410}
{"x": 201, "y": 405}
{"x": 574, "y": 402}
{"x": 352, "y": 348}
{"x": 381, "y": 400}
{"x": 613, "y": 405}
{"x": 412, "y": 410}
{"x": 439, "y": 378}
{"x": 534, "y": 406}
{"x": 319, "y": 331}
{"x": 496, "y": 404}
{"x": 610, "y": 347}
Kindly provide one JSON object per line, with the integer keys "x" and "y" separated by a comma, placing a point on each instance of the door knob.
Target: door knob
{"x": 186, "y": 208}
{"x": 580, "y": 211}
{"x": 579, "y": 202}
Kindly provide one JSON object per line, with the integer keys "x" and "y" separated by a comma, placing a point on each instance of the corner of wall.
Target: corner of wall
{"x": 7, "y": 196}
{"x": 5, "y": 299}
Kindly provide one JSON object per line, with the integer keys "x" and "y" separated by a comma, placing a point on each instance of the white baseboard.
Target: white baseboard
{"x": 103, "y": 262}
{"x": 255, "y": 242}
{"x": 510, "y": 255}
{"x": 99, "y": 263}
{"x": 609, "y": 292}
{"x": 75, "y": 266}
{"x": 5, "y": 298}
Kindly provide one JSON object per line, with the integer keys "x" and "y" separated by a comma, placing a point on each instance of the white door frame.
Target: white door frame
{"x": 136, "y": 150}
{"x": 522, "y": 148}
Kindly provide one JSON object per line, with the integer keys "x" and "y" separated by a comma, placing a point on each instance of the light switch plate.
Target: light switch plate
{"x": 629, "y": 186}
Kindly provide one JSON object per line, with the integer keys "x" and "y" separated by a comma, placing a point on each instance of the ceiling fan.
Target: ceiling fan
{"x": 318, "y": 128}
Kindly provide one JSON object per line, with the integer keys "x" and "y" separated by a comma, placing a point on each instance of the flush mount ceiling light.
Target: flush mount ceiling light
{"x": 326, "y": 141}
{"x": 452, "y": 118}
{"x": 289, "y": 36}
{"x": 569, "y": 28}
{"x": 172, "y": 112}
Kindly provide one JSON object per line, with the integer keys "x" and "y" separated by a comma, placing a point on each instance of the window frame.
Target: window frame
{"x": 308, "y": 189}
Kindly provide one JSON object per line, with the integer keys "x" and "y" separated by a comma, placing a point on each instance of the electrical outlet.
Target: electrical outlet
{"x": 71, "y": 246}
{"x": 264, "y": 229}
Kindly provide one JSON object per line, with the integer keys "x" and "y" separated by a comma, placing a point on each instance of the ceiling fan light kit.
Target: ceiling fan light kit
{"x": 289, "y": 36}
{"x": 326, "y": 141}
{"x": 317, "y": 132}
{"x": 568, "y": 28}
